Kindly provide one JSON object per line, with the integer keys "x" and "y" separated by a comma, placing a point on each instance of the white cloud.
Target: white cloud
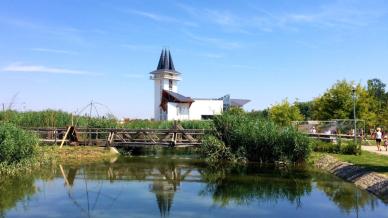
{"x": 59, "y": 51}
{"x": 212, "y": 55}
{"x": 134, "y": 76}
{"x": 66, "y": 33}
{"x": 159, "y": 17}
{"x": 24, "y": 68}
{"x": 217, "y": 42}
{"x": 340, "y": 14}
{"x": 139, "y": 47}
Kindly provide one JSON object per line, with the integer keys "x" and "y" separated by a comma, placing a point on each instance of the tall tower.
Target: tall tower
{"x": 166, "y": 78}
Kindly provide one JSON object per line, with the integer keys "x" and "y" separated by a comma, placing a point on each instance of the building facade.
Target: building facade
{"x": 170, "y": 105}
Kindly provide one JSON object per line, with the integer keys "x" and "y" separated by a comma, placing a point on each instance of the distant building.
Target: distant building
{"x": 170, "y": 105}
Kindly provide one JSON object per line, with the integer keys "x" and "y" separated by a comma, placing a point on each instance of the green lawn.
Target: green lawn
{"x": 374, "y": 162}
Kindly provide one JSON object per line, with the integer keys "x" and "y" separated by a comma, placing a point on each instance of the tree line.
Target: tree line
{"x": 336, "y": 103}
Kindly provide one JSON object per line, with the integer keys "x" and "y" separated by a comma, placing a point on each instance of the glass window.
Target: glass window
{"x": 170, "y": 84}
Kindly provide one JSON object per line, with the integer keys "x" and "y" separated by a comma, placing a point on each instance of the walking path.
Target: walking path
{"x": 374, "y": 150}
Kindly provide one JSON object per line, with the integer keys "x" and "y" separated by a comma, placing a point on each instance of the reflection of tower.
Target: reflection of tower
{"x": 166, "y": 78}
{"x": 164, "y": 186}
{"x": 164, "y": 193}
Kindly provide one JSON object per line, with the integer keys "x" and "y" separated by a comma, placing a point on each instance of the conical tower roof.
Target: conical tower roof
{"x": 165, "y": 61}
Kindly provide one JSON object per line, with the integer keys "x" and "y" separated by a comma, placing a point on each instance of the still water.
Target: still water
{"x": 179, "y": 187}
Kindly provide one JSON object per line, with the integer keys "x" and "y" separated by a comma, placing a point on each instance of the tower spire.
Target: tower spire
{"x": 160, "y": 60}
{"x": 165, "y": 61}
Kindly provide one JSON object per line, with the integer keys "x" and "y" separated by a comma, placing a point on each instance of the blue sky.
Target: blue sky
{"x": 63, "y": 54}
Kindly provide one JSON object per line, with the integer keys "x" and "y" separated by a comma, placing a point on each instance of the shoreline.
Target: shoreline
{"x": 363, "y": 178}
{"x": 49, "y": 155}
{"x": 78, "y": 154}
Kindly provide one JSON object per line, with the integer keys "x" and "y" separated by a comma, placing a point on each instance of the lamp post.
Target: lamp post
{"x": 354, "y": 112}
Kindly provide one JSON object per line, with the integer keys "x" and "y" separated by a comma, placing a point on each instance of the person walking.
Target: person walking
{"x": 386, "y": 142}
{"x": 379, "y": 135}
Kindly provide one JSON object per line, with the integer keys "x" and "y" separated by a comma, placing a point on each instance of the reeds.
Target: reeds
{"x": 260, "y": 139}
{"x": 52, "y": 118}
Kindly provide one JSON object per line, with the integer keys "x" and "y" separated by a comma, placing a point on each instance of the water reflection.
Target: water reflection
{"x": 266, "y": 184}
{"x": 19, "y": 189}
{"x": 345, "y": 196}
{"x": 10, "y": 196}
{"x": 138, "y": 186}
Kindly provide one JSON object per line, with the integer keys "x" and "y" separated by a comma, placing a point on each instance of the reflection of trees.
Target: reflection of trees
{"x": 165, "y": 177}
{"x": 19, "y": 188}
{"x": 346, "y": 196}
{"x": 244, "y": 184}
{"x": 13, "y": 190}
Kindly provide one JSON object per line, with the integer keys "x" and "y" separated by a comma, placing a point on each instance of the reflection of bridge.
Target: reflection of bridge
{"x": 119, "y": 137}
{"x": 164, "y": 180}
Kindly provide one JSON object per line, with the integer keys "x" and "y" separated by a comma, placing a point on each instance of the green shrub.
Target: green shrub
{"x": 328, "y": 147}
{"x": 16, "y": 144}
{"x": 260, "y": 139}
{"x": 350, "y": 148}
{"x": 338, "y": 147}
{"x": 213, "y": 150}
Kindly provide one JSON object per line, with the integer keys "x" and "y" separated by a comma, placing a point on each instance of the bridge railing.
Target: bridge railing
{"x": 119, "y": 136}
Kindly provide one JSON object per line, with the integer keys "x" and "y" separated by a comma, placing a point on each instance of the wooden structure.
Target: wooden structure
{"x": 119, "y": 137}
{"x": 332, "y": 137}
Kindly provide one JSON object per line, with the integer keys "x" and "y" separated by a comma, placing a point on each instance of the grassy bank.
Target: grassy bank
{"x": 20, "y": 153}
{"x": 49, "y": 155}
{"x": 371, "y": 161}
{"x": 77, "y": 154}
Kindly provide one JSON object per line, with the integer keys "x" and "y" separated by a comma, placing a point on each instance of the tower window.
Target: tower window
{"x": 170, "y": 84}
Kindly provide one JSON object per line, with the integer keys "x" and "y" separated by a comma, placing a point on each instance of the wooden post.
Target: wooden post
{"x": 64, "y": 138}
{"x": 64, "y": 175}
{"x": 56, "y": 136}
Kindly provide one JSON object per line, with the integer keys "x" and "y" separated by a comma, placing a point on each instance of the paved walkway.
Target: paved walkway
{"x": 374, "y": 149}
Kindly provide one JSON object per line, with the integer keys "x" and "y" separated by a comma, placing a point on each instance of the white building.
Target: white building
{"x": 170, "y": 105}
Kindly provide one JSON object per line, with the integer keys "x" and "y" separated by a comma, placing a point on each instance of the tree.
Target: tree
{"x": 376, "y": 89}
{"x": 305, "y": 109}
{"x": 337, "y": 103}
{"x": 258, "y": 114}
{"x": 284, "y": 113}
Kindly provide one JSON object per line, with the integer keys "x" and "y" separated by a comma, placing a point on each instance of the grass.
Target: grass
{"x": 371, "y": 161}
{"x": 48, "y": 155}
{"x": 77, "y": 154}
{"x": 375, "y": 162}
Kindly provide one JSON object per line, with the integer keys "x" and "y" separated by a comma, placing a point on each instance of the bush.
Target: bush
{"x": 328, "y": 147}
{"x": 213, "y": 150}
{"x": 339, "y": 147}
{"x": 260, "y": 139}
{"x": 16, "y": 144}
{"x": 350, "y": 148}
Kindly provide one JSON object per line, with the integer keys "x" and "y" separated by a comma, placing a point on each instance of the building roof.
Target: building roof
{"x": 165, "y": 61}
{"x": 239, "y": 102}
{"x": 169, "y": 96}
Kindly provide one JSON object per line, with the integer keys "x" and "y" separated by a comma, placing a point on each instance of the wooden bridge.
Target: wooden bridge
{"x": 332, "y": 137}
{"x": 120, "y": 137}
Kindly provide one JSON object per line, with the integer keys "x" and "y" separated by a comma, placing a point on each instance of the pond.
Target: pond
{"x": 182, "y": 187}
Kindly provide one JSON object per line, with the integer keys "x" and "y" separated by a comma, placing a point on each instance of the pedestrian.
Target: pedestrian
{"x": 386, "y": 142}
{"x": 314, "y": 131}
{"x": 379, "y": 135}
